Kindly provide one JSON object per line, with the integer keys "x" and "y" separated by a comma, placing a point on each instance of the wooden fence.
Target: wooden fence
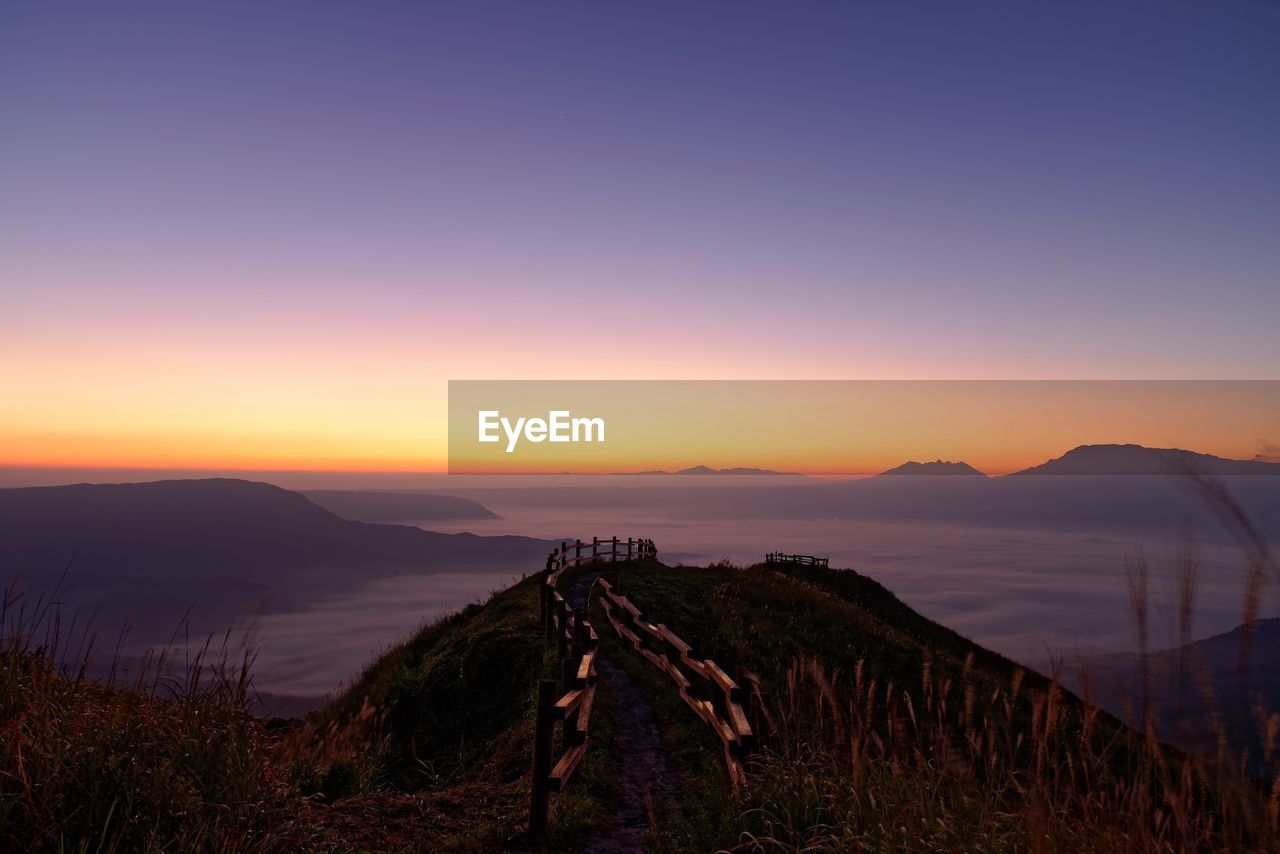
{"x": 779, "y": 559}
{"x": 576, "y": 643}
{"x": 704, "y": 686}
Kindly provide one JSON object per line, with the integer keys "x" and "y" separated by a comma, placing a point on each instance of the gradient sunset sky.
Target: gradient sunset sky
{"x": 266, "y": 235}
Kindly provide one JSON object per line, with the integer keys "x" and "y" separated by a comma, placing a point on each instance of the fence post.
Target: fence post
{"x": 551, "y": 613}
{"x": 568, "y": 676}
{"x": 542, "y": 596}
{"x": 577, "y": 553}
{"x": 543, "y": 727}
{"x": 562, "y": 643}
{"x": 613, "y": 550}
{"x": 595, "y": 547}
{"x": 628, "y": 548}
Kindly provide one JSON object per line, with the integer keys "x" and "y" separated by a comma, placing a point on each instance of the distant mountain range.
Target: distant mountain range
{"x": 935, "y": 467}
{"x": 736, "y": 470}
{"x": 1138, "y": 459}
{"x": 1082, "y": 460}
{"x": 1112, "y": 460}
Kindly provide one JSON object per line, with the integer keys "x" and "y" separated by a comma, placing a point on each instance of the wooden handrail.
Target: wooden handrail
{"x": 668, "y": 652}
{"x": 779, "y": 559}
{"x": 576, "y": 641}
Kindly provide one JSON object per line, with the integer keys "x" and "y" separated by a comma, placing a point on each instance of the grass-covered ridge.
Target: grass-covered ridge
{"x": 428, "y": 750}
{"x": 452, "y": 709}
{"x": 890, "y": 732}
{"x": 887, "y": 732}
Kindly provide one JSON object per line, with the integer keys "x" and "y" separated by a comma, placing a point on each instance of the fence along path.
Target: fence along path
{"x": 775, "y": 559}
{"x": 715, "y": 697}
{"x": 576, "y": 642}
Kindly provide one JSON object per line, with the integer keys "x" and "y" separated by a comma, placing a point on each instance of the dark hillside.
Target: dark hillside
{"x": 383, "y": 506}
{"x": 881, "y": 730}
{"x": 208, "y": 528}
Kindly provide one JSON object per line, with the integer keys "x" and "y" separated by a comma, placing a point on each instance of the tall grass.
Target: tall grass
{"x": 165, "y": 758}
{"x": 956, "y": 762}
{"x": 856, "y": 764}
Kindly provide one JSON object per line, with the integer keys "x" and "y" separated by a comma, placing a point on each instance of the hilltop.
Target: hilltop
{"x": 1138, "y": 459}
{"x": 937, "y": 467}
{"x": 221, "y": 527}
{"x": 883, "y": 730}
{"x": 735, "y": 470}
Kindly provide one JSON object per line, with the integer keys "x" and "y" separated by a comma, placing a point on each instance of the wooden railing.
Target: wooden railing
{"x": 611, "y": 550}
{"x": 576, "y": 643}
{"x": 779, "y": 559}
{"x": 704, "y": 686}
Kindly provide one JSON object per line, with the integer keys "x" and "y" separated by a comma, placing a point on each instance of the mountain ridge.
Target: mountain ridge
{"x": 1130, "y": 459}
{"x": 220, "y": 526}
{"x": 937, "y": 467}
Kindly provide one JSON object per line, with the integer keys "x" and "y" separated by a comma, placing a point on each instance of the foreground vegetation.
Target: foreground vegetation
{"x": 889, "y": 732}
{"x": 885, "y": 732}
{"x": 167, "y": 762}
{"x": 429, "y": 750}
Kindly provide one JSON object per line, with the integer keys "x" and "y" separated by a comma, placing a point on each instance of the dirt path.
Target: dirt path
{"x": 647, "y": 773}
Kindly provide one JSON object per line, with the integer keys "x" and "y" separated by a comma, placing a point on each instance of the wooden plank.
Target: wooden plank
{"x": 738, "y": 719}
{"x": 584, "y": 668}
{"x": 726, "y": 733}
{"x": 584, "y": 713}
{"x": 680, "y": 679}
{"x": 565, "y": 767}
{"x": 721, "y": 678}
{"x": 568, "y": 702}
{"x": 627, "y": 605}
{"x": 631, "y": 636}
{"x": 737, "y": 776}
{"x": 675, "y": 640}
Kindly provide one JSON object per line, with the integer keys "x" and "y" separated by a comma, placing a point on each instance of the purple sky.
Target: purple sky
{"x": 275, "y": 192}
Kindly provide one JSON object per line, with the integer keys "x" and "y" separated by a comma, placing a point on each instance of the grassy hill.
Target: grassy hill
{"x": 886, "y": 732}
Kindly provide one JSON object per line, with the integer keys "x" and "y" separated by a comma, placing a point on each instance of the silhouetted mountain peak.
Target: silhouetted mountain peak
{"x": 733, "y": 470}
{"x": 1139, "y": 459}
{"x": 935, "y": 467}
{"x": 702, "y": 470}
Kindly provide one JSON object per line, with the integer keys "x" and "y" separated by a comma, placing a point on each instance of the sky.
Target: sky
{"x": 267, "y": 235}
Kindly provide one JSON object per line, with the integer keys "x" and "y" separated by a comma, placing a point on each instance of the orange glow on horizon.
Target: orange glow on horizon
{"x": 309, "y": 426}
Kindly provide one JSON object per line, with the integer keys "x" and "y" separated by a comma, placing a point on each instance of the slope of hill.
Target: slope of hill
{"x": 941, "y": 467}
{"x": 1137, "y": 459}
{"x": 381, "y": 506}
{"x": 861, "y": 690}
{"x": 208, "y": 528}
{"x": 1219, "y": 680}
{"x": 882, "y": 730}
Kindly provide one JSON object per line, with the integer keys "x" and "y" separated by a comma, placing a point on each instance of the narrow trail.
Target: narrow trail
{"x": 646, "y": 772}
